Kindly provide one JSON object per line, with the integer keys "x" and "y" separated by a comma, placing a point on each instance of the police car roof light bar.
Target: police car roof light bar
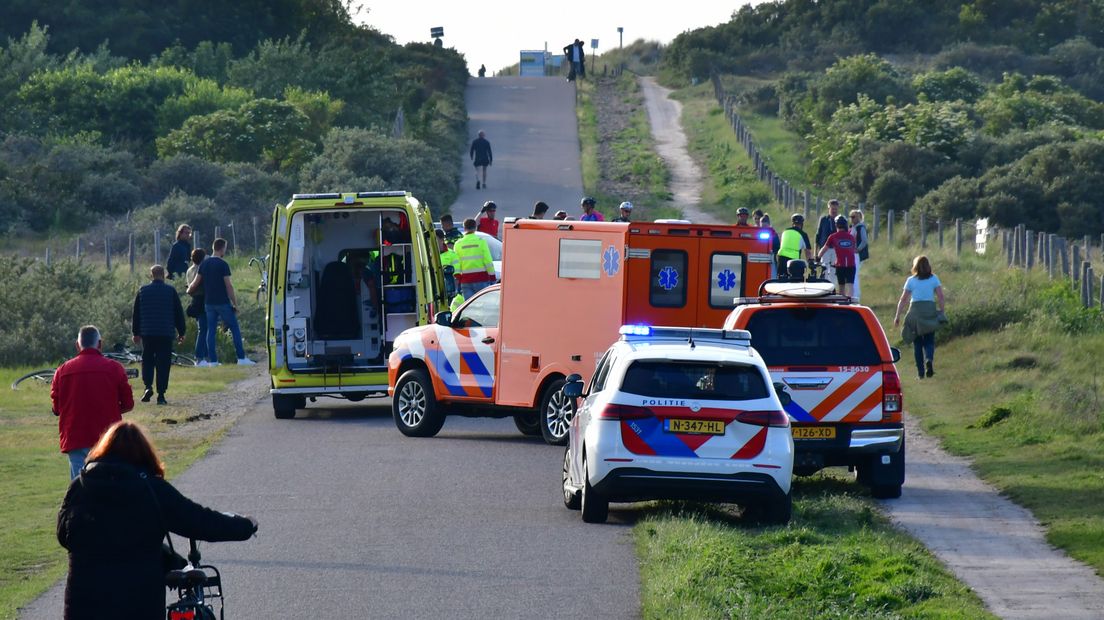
{"x": 647, "y": 333}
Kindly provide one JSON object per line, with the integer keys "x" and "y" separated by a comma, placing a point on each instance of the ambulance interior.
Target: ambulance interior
{"x": 351, "y": 288}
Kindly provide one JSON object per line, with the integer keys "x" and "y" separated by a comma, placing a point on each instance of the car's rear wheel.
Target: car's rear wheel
{"x": 528, "y": 424}
{"x": 570, "y": 496}
{"x": 777, "y": 511}
{"x": 414, "y": 406}
{"x": 556, "y": 412}
{"x": 594, "y": 505}
{"x": 284, "y": 406}
{"x": 884, "y": 479}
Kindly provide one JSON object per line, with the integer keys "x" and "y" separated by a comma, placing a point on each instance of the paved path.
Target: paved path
{"x": 991, "y": 544}
{"x": 531, "y": 125}
{"x": 665, "y": 116}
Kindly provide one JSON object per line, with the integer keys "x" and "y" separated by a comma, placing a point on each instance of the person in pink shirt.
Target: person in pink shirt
{"x": 590, "y": 214}
{"x": 843, "y": 244}
{"x": 486, "y": 221}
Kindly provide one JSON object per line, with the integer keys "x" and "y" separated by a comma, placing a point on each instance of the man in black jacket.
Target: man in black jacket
{"x": 827, "y": 224}
{"x": 157, "y": 314}
{"x": 481, "y": 156}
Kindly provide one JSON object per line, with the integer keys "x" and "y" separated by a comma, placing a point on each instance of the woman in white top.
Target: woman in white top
{"x": 924, "y": 295}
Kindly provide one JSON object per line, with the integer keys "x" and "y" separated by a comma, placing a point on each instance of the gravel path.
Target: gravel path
{"x": 993, "y": 545}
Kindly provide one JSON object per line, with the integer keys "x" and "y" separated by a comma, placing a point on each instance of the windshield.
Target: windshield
{"x": 700, "y": 380}
{"x": 804, "y": 336}
{"x": 493, "y": 244}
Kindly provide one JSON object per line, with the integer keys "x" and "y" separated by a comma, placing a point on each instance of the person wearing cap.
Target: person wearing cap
{"x": 626, "y": 212}
{"x": 560, "y": 215}
{"x": 539, "y": 210}
{"x": 487, "y": 222}
{"x": 843, "y": 244}
{"x": 827, "y": 224}
{"x": 794, "y": 243}
{"x": 449, "y": 262}
{"x": 590, "y": 214}
{"x": 477, "y": 270}
{"x": 742, "y": 215}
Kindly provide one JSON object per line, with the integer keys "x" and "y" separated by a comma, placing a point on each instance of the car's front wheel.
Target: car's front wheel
{"x": 570, "y": 495}
{"x": 415, "y": 406}
{"x": 594, "y": 505}
{"x": 555, "y": 413}
{"x": 528, "y": 424}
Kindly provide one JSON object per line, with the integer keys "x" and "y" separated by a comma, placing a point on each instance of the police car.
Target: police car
{"x": 679, "y": 413}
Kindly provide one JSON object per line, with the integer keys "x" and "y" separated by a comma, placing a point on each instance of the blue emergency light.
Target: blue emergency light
{"x": 635, "y": 330}
{"x": 764, "y": 235}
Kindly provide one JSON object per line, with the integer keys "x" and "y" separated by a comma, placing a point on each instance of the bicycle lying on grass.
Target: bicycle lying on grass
{"x": 122, "y": 355}
{"x": 195, "y": 585}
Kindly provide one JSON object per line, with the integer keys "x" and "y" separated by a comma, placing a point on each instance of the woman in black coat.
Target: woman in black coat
{"x": 180, "y": 252}
{"x": 113, "y": 521}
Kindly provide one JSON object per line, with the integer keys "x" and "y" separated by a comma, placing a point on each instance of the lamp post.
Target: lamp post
{"x": 620, "y": 37}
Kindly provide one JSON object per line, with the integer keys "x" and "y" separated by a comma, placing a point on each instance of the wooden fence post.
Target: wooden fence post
{"x": 256, "y": 241}
{"x": 1075, "y": 263}
{"x": 905, "y": 225}
{"x": 218, "y": 232}
{"x": 1089, "y": 279}
{"x": 958, "y": 236}
{"x": 156, "y": 246}
{"x": 130, "y": 251}
{"x": 1102, "y": 292}
{"x": 923, "y": 231}
{"x": 234, "y": 235}
{"x": 47, "y": 256}
{"x": 78, "y": 248}
{"x": 939, "y": 228}
{"x": 875, "y": 227}
{"x": 1063, "y": 253}
{"x": 107, "y": 252}
{"x": 889, "y": 226}
{"x": 1007, "y": 245}
{"x": 1050, "y": 256}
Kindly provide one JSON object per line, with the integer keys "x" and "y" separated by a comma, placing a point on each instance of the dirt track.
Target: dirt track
{"x": 991, "y": 544}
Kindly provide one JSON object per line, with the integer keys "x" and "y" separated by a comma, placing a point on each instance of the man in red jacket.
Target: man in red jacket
{"x": 89, "y": 394}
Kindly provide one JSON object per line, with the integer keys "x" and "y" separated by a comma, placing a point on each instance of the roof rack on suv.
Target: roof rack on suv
{"x": 784, "y": 291}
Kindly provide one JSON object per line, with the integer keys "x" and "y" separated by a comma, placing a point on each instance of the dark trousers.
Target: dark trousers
{"x": 157, "y": 356}
{"x": 921, "y": 347}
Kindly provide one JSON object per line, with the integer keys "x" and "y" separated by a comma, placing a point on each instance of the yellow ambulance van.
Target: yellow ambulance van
{"x": 348, "y": 272}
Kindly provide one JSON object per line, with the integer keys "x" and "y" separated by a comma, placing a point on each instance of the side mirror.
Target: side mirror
{"x": 895, "y": 353}
{"x": 574, "y": 386}
{"x": 783, "y": 396}
{"x": 444, "y": 319}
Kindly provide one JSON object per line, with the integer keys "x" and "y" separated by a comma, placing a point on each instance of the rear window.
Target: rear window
{"x": 705, "y": 381}
{"x": 804, "y": 336}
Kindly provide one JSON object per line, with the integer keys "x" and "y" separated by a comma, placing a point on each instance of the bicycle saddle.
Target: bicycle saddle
{"x": 185, "y": 578}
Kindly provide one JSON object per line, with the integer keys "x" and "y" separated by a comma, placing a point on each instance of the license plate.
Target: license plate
{"x": 814, "y": 432}
{"x": 697, "y": 427}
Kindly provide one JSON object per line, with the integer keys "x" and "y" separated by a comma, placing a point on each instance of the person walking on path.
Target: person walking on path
{"x": 625, "y": 215}
{"x": 862, "y": 245}
{"x": 477, "y": 270}
{"x": 180, "y": 252}
{"x": 481, "y": 156}
{"x": 826, "y": 227}
{"x": 220, "y": 301}
{"x": 923, "y": 293}
{"x": 196, "y": 309}
{"x": 486, "y": 221}
{"x": 581, "y": 59}
{"x": 842, "y": 245}
{"x": 89, "y": 393}
{"x": 794, "y": 243}
{"x": 157, "y": 314}
{"x": 590, "y": 214}
{"x": 539, "y": 210}
{"x": 113, "y": 520}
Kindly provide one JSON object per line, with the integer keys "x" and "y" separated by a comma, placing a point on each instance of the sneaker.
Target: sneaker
{"x": 203, "y": 364}
{"x": 477, "y": 185}
{"x": 148, "y": 395}
{"x": 930, "y": 371}
{"x": 161, "y": 400}
{"x": 245, "y": 361}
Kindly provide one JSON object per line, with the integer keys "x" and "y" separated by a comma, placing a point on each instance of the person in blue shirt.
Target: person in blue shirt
{"x": 220, "y": 301}
{"x": 923, "y": 293}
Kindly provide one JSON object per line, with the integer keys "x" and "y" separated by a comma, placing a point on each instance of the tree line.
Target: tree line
{"x": 956, "y": 109}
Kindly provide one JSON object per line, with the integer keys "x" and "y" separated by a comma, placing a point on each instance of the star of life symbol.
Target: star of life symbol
{"x": 611, "y": 261}
{"x": 668, "y": 278}
{"x": 726, "y": 280}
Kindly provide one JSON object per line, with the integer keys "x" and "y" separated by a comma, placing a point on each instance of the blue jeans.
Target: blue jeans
{"x": 923, "y": 345}
{"x": 201, "y": 337}
{"x": 471, "y": 288}
{"x": 230, "y": 318}
{"x": 76, "y": 461}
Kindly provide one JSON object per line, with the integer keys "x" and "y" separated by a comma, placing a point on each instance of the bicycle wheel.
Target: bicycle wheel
{"x": 179, "y": 359}
{"x": 39, "y": 377}
{"x": 261, "y": 294}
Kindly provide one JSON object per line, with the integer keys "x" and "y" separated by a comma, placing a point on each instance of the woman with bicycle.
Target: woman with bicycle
{"x": 113, "y": 520}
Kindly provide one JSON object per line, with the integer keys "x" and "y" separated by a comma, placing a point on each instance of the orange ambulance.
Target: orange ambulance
{"x": 567, "y": 287}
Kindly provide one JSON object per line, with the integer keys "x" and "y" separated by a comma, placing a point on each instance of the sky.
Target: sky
{"x": 493, "y": 32}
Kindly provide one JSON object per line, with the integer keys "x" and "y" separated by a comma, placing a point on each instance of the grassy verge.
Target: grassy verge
{"x": 838, "y": 558}
{"x": 34, "y": 474}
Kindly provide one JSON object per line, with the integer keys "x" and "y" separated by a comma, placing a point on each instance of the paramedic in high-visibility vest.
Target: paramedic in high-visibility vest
{"x": 794, "y": 243}
{"x": 477, "y": 270}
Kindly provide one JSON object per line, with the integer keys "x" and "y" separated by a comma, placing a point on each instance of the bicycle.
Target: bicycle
{"x": 45, "y": 377}
{"x": 262, "y": 266}
{"x": 195, "y": 584}
{"x": 124, "y": 355}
